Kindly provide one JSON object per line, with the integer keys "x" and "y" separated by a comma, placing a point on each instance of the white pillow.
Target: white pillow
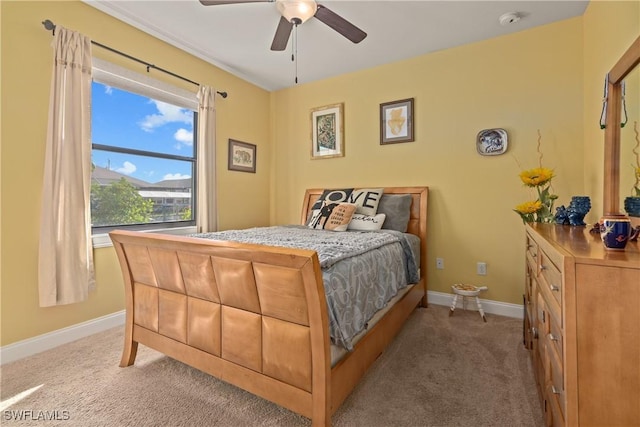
{"x": 363, "y": 222}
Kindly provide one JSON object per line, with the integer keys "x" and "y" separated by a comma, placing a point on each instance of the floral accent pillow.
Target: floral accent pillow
{"x": 332, "y": 216}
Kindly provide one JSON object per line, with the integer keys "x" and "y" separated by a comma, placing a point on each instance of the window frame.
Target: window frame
{"x": 109, "y": 74}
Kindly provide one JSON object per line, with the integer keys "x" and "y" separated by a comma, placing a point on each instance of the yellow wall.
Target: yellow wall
{"x": 522, "y": 82}
{"x": 26, "y": 73}
{"x": 547, "y": 78}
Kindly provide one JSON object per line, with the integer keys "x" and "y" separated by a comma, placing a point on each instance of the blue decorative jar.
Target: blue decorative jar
{"x": 632, "y": 206}
{"x": 575, "y": 213}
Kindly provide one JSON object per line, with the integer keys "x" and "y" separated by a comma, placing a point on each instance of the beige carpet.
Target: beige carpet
{"x": 440, "y": 371}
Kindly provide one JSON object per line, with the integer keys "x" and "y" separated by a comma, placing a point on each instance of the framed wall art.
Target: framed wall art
{"x": 327, "y": 128}
{"x": 242, "y": 156}
{"x": 491, "y": 142}
{"x": 396, "y": 121}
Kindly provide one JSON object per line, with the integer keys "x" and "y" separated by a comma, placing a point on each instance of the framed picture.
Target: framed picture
{"x": 396, "y": 121}
{"x": 327, "y": 127}
{"x": 491, "y": 142}
{"x": 242, "y": 156}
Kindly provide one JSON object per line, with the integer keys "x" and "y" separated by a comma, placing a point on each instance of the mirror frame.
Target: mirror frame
{"x": 629, "y": 60}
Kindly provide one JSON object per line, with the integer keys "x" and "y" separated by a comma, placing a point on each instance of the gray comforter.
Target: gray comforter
{"x": 361, "y": 271}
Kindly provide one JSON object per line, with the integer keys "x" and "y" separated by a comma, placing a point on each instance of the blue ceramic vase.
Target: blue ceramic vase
{"x": 615, "y": 231}
{"x": 575, "y": 213}
{"x": 632, "y": 206}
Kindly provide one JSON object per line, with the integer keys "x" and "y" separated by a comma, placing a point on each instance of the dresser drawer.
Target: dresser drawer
{"x": 555, "y": 338}
{"x": 541, "y": 325}
{"x": 555, "y": 416}
{"x": 538, "y": 371}
{"x": 530, "y": 288}
{"x": 541, "y": 314}
{"x": 531, "y": 252}
{"x": 527, "y": 331}
{"x": 555, "y": 378}
{"x": 552, "y": 276}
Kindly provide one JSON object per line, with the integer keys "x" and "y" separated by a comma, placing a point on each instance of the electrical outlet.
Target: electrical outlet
{"x": 482, "y": 268}
{"x": 440, "y": 263}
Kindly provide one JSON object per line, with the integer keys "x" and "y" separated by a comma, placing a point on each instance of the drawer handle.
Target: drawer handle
{"x": 534, "y": 332}
{"x": 554, "y": 288}
{"x": 554, "y": 390}
{"x": 553, "y": 337}
{"x": 542, "y": 267}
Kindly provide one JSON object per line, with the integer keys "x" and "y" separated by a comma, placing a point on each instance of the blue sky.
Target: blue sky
{"x": 129, "y": 120}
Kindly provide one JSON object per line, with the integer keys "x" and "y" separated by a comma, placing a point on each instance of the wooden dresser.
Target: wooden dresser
{"x": 582, "y": 325}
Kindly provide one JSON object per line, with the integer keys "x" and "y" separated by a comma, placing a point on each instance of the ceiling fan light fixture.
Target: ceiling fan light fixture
{"x": 297, "y": 11}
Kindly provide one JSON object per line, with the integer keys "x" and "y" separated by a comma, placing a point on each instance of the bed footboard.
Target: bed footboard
{"x": 252, "y": 315}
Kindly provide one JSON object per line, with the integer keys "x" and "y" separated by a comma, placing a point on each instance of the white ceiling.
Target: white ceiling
{"x": 237, "y": 37}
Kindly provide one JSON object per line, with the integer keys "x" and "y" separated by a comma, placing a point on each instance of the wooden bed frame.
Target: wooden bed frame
{"x": 253, "y": 315}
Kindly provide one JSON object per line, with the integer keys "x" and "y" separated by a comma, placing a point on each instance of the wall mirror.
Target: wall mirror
{"x": 628, "y": 141}
{"x": 614, "y": 156}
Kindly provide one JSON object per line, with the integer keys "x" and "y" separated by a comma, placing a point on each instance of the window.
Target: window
{"x": 144, "y": 157}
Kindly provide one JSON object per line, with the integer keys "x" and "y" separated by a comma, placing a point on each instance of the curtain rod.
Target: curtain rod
{"x": 50, "y": 26}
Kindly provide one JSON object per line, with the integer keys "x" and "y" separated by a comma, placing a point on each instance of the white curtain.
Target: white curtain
{"x": 206, "y": 198}
{"x": 65, "y": 270}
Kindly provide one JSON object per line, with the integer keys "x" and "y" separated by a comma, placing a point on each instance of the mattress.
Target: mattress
{"x": 362, "y": 271}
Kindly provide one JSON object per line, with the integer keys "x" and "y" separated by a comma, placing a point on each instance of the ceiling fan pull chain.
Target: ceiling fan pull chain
{"x": 294, "y": 51}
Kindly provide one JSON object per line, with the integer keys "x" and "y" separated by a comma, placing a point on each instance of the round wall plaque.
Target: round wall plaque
{"x": 491, "y": 142}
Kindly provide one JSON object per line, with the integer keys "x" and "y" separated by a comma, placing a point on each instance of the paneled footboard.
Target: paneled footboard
{"x": 254, "y": 316}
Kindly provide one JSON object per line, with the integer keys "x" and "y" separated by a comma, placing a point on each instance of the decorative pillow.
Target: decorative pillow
{"x": 332, "y": 216}
{"x": 363, "y": 222}
{"x": 333, "y": 196}
{"x": 397, "y": 207}
{"x": 366, "y": 200}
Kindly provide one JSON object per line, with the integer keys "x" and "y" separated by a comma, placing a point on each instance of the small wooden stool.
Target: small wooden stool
{"x": 467, "y": 291}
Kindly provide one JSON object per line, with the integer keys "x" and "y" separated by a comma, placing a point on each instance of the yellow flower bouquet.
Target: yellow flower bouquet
{"x": 541, "y": 209}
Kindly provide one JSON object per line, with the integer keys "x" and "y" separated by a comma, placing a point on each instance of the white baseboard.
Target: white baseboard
{"x": 21, "y": 349}
{"x": 31, "y": 346}
{"x": 489, "y": 306}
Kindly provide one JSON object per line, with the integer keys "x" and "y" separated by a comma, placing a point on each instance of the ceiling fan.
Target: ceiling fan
{"x": 296, "y": 12}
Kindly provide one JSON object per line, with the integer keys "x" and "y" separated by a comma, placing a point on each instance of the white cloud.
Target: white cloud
{"x": 108, "y": 90}
{"x": 127, "y": 168}
{"x": 176, "y": 176}
{"x": 167, "y": 113}
{"x": 184, "y": 136}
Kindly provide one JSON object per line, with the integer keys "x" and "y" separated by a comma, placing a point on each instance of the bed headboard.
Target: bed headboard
{"x": 417, "y": 219}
